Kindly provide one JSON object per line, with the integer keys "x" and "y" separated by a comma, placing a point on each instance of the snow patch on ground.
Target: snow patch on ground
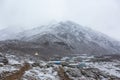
{"x": 108, "y": 67}
{"x": 41, "y": 74}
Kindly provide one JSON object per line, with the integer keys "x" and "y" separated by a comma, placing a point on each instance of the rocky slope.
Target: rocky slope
{"x": 70, "y": 68}
{"x": 62, "y": 38}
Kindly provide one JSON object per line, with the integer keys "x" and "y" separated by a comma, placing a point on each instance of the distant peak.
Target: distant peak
{"x": 67, "y": 22}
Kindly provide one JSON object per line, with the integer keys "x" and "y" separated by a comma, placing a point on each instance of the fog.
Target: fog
{"x": 101, "y": 15}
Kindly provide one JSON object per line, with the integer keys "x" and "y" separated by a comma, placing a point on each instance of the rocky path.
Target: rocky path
{"x": 15, "y": 75}
{"x": 62, "y": 74}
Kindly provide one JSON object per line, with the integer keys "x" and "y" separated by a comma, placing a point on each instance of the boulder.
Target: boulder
{"x": 3, "y": 59}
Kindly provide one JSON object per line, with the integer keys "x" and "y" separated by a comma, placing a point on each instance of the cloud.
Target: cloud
{"x": 101, "y": 15}
{"x": 31, "y": 12}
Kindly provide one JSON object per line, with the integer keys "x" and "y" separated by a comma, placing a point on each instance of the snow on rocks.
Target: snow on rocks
{"x": 108, "y": 67}
{"x": 37, "y": 73}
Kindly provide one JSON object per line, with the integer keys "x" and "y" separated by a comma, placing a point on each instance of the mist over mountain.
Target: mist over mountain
{"x": 9, "y": 32}
{"x": 61, "y": 38}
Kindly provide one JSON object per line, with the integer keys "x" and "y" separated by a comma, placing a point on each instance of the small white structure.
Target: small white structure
{"x": 36, "y": 54}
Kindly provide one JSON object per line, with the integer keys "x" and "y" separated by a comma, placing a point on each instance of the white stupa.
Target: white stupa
{"x": 36, "y": 54}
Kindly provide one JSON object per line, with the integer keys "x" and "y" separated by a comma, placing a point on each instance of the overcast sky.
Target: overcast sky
{"x": 101, "y": 15}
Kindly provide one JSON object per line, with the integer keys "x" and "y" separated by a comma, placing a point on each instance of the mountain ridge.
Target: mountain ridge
{"x": 70, "y": 37}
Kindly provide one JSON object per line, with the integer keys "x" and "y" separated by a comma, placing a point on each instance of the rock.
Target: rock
{"x": 35, "y": 64}
{"x": 88, "y": 73}
{"x": 65, "y": 64}
{"x": 49, "y": 65}
{"x": 105, "y": 75}
{"x": 62, "y": 74}
{"x": 114, "y": 78}
{"x": 93, "y": 73}
{"x": 3, "y": 59}
{"x": 1, "y": 64}
{"x": 74, "y": 72}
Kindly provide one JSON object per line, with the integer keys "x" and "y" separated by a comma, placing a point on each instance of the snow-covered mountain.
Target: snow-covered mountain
{"x": 9, "y": 32}
{"x": 71, "y": 37}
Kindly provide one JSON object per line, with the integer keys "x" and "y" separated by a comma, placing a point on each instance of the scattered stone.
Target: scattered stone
{"x": 62, "y": 74}
{"x": 74, "y": 72}
{"x": 3, "y": 59}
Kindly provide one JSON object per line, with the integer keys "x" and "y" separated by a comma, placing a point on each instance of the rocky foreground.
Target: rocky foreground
{"x": 77, "y": 67}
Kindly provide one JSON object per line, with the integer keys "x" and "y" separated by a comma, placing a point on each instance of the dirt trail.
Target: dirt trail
{"x": 62, "y": 74}
{"x": 16, "y": 75}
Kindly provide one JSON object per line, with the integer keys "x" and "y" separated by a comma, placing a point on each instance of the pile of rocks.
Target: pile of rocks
{"x": 3, "y": 59}
{"x": 88, "y": 74}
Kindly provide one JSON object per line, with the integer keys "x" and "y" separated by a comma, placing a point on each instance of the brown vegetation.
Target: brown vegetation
{"x": 62, "y": 74}
{"x": 16, "y": 75}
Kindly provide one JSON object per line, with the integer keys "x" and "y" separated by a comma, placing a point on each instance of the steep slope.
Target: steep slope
{"x": 80, "y": 39}
{"x": 67, "y": 37}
